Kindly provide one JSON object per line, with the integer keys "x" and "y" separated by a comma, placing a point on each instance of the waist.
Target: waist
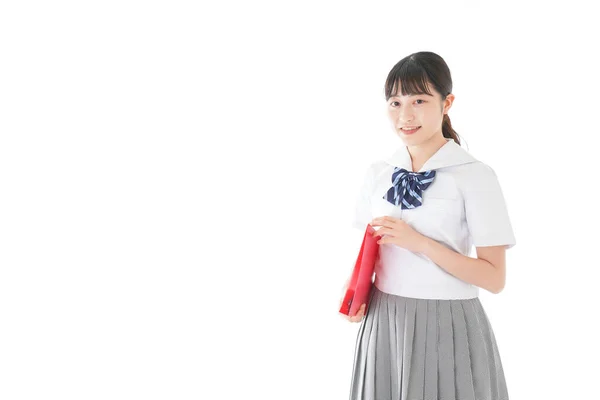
{"x": 425, "y": 292}
{"x": 404, "y": 273}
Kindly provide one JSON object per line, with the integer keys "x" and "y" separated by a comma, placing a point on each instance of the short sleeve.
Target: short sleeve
{"x": 362, "y": 204}
{"x": 485, "y": 209}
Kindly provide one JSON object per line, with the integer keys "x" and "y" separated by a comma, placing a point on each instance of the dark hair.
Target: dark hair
{"x": 413, "y": 72}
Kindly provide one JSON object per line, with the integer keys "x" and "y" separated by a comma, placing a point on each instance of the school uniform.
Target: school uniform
{"x": 426, "y": 335}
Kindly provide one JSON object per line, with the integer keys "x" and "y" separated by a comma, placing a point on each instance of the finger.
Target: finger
{"x": 360, "y": 314}
{"x": 357, "y": 318}
{"x": 381, "y": 231}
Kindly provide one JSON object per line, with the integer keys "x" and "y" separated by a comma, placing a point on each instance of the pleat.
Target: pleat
{"x": 478, "y": 351}
{"x": 408, "y": 345}
{"x": 400, "y": 305}
{"x": 417, "y": 367}
{"x": 497, "y": 382}
{"x": 430, "y": 390}
{"x": 501, "y": 378}
{"x": 382, "y": 371}
{"x": 394, "y": 332}
{"x": 462, "y": 358}
{"x": 447, "y": 390}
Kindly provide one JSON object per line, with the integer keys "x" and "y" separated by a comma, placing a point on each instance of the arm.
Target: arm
{"x": 487, "y": 271}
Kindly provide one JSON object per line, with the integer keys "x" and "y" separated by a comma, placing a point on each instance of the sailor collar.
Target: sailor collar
{"x": 448, "y": 155}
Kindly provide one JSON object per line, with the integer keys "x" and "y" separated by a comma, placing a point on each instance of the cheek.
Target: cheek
{"x": 433, "y": 116}
{"x": 425, "y": 115}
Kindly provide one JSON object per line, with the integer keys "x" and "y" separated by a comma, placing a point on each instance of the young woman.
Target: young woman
{"x": 425, "y": 335}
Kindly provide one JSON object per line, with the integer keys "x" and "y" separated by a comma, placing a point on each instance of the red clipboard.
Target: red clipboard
{"x": 360, "y": 284}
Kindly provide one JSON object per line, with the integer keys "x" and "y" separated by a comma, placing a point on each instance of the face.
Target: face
{"x": 419, "y": 110}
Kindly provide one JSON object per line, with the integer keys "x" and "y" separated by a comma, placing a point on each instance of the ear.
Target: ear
{"x": 448, "y": 103}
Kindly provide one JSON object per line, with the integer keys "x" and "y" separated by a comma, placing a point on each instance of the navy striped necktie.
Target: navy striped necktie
{"x": 407, "y": 187}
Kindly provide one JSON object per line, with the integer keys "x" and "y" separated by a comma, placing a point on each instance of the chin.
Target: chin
{"x": 411, "y": 138}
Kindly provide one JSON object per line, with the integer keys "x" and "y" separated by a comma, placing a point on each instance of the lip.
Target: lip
{"x": 410, "y": 133}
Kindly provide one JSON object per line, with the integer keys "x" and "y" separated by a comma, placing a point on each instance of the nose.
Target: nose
{"x": 404, "y": 116}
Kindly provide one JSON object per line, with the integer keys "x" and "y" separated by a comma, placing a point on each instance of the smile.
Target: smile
{"x": 410, "y": 131}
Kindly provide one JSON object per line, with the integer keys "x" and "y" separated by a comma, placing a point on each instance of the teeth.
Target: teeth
{"x": 410, "y": 129}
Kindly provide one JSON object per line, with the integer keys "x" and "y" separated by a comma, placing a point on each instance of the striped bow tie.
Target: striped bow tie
{"x": 407, "y": 187}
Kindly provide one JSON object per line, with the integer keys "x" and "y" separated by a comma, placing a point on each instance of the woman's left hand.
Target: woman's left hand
{"x": 398, "y": 232}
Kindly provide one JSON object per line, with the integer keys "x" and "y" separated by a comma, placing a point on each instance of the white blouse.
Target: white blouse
{"x": 463, "y": 207}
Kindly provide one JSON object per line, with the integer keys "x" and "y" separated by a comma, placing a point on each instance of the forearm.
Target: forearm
{"x": 475, "y": 271}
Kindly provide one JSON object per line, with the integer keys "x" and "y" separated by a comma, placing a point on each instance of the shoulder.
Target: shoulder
{"x": 370, "y": 175}
{"x": 475, "y": 173}
{"x": 378, "y": 165}
{"x": 376, "y": 168}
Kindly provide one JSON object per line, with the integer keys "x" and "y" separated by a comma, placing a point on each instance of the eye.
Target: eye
{"x": 421, "y": 100}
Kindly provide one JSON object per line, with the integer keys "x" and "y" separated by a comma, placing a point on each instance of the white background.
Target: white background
{"x": 177, "y": 183}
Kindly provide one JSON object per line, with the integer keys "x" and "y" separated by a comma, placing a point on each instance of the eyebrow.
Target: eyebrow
{"x": 414, "y": 95}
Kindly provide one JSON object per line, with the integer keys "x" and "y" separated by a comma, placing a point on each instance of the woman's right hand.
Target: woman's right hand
{"x": 361, "y": 311}
{"x": 359, "y": 315}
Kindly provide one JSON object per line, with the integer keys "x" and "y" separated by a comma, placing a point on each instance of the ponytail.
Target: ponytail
{"x": 448, "y": 131}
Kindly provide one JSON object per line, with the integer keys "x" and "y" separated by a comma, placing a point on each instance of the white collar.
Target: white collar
{"x": 448, "y": 155}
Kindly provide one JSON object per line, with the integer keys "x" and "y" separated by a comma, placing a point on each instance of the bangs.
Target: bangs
{"x": 412, "y": 78}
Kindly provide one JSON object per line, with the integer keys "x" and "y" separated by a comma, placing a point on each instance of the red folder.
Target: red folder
{"x": 360, "y": 284}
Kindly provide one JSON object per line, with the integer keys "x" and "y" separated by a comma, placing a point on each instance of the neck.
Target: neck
{"x": 422, "y": 152}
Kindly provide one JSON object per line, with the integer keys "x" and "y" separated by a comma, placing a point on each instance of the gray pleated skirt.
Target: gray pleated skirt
{"x": 426, "y": 349}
